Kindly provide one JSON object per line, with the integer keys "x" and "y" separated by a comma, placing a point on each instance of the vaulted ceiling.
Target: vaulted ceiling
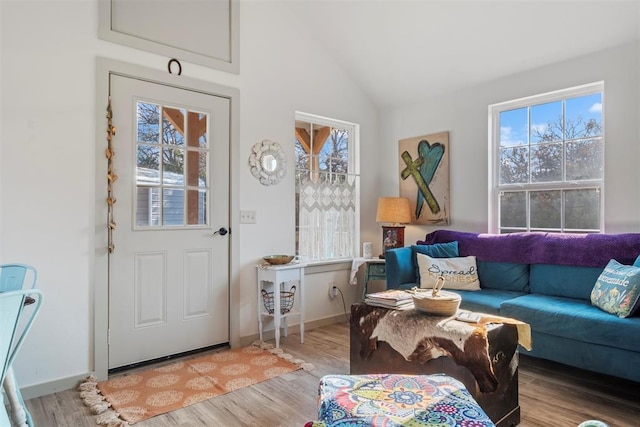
{"x": 403, "y": 51}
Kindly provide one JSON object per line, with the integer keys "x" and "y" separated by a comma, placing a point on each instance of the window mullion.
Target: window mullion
{"x": 528, "y": 209}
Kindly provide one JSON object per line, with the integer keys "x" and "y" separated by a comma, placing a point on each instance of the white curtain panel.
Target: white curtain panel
{"x": 327, "y": 219}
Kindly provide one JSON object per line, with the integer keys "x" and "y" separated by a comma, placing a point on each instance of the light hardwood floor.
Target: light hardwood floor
{"x": 551, "y": 395}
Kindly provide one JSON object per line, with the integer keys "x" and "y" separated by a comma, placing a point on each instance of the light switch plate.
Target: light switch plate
{"x": 247, "y": 217}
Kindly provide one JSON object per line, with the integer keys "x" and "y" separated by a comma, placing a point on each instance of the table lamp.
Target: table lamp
{"x": 394, "y": 210}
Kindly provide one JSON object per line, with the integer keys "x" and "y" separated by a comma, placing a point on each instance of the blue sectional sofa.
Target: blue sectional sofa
{"x": 545, "y": 280}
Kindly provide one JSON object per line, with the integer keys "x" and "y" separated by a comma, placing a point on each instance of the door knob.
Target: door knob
{"x": 221, "y": 231}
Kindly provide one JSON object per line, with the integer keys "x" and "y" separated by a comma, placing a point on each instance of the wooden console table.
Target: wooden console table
{"x": 491, "y": 378}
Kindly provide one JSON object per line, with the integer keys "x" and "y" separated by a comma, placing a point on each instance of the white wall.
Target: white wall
{"x": 49, "y": 51}
{"x": 464, "y": 114}
{"x": 291, "y": 75}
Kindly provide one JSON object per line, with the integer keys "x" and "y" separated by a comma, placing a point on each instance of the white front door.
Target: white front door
{"x": 169, "y": 272}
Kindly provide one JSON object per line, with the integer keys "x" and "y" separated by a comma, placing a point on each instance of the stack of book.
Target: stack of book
{"x": 391, "y": 298}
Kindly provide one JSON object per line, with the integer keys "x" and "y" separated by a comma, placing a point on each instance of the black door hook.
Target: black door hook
{"x": 171, "y": 61}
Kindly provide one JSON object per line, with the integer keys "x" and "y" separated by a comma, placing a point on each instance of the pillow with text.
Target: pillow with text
{"x": 617, "y": 290}
{"x": 459, "y": 273}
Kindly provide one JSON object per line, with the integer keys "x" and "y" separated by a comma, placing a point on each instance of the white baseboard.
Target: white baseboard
{"x": 293, "y": 328}
{"x": 37, "y": 390}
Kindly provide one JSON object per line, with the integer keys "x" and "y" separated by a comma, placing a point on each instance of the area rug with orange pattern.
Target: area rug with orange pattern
{"x": 126, "y": 399}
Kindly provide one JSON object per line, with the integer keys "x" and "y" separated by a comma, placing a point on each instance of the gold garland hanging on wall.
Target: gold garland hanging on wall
{"x": 111, "y": 177}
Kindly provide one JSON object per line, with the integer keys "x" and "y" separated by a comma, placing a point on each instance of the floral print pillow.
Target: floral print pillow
{"x": 617, "y": 290}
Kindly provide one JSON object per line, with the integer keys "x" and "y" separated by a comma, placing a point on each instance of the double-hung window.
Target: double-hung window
{"x": 547, "y": 162}
{"x": 327, "y": 188}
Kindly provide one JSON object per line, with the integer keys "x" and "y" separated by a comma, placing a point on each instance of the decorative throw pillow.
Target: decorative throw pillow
{"x": 459, "y": 273}
{"x": 617, "y": 290}
{"x": 437, "y": 250}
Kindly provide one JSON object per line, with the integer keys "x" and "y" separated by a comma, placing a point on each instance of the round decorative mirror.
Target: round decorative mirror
{"x": 268, "y": 162}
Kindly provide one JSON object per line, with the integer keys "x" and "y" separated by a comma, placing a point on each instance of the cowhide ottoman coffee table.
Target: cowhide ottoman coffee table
{"x": 483, "y": 357}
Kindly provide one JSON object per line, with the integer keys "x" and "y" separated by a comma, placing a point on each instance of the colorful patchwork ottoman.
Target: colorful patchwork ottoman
{"x": 397, "y": 400}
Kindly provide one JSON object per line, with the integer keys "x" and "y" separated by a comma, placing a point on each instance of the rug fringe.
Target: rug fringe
{"x": 95, "y": 401}
{"x": 111, "y": 419}
{"x": 307, "y": 366}
{"x": 281, "y": 354}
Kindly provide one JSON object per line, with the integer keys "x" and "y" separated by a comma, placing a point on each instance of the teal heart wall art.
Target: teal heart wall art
{"x": 424, "y": 177}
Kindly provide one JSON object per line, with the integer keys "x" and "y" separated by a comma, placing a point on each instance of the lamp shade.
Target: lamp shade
{"x": 393, "y": 209}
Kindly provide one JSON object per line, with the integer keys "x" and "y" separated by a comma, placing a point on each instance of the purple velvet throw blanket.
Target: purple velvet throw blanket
{"x": 587, "y": 250}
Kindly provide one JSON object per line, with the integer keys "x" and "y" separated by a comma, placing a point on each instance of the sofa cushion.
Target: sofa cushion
{"x": 574, "y": 319}
{"x": 563, "y": 280}
{"x": 507, "y": 276}
{"x": 617, "y": 290}
{"x": 399, "y": 267}
{"x": 458, "y": 273}
{"x": 439, "y": 250}
{"x": 486, "y": 301}
{"x": 594, "y": 357}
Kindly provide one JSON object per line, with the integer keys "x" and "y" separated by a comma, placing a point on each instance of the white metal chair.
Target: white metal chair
{"x": 16, "y": 290}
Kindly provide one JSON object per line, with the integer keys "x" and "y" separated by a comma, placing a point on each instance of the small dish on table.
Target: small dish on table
{"x": 278, "y": 259}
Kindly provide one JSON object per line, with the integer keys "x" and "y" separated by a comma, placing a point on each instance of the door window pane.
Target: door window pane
{"x": 148, "y": 120}
{"x": 172, "y": 206}
{"x": 196, "y": 207}
{"x": 148, "y": 206}
{"x": 197, "y": 168}
{"x": 172, "y": 126}
{"x": 172, "y": 166}
{"x": 148, "y": 165}
{"x": 203, "y": 124}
